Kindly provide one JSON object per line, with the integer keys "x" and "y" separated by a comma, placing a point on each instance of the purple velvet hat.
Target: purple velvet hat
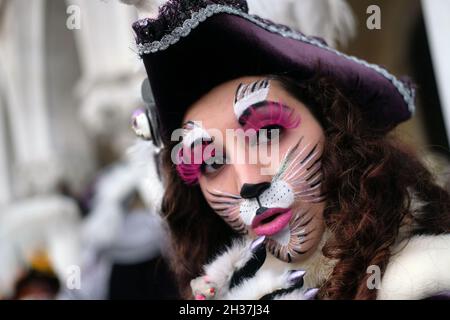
{"x": 194, "y": 46}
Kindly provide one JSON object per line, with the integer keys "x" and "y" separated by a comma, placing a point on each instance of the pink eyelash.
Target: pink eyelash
{"x": 189, "y": 172}
{"x": 274, "y": 113}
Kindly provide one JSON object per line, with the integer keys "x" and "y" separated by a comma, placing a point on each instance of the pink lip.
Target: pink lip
{"x": 274, "y": 226}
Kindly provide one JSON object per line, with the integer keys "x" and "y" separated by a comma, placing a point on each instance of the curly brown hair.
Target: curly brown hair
{"x": 369, "y": 180}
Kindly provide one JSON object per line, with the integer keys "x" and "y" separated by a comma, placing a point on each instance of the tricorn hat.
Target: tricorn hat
{"x": 193, "y": 46}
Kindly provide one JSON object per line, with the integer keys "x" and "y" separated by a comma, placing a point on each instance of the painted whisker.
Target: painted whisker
{"x": 221, "y": 194}
{"x": 303, "y": 185}
{"x": 229, "y": 203}
{"x": 284, "y": 166}
{"x": 294, "y": 161}
{"x": 309, "y": 155}
{"x": 297, "y": 172}
{"x": 304, "y": 233}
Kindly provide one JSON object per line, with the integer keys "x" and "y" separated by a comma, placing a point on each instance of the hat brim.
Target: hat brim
{"x": 226, "y": 44}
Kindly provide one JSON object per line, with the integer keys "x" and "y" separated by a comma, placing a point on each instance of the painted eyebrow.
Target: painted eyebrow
{"x": 249, "y": 94}
{"x": 203, "y": 135}
{"x": 244, "y": 90}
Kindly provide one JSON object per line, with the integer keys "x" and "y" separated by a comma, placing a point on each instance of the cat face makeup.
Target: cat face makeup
{"x": 288, "y": 211}
{"x": 285, "y": 206}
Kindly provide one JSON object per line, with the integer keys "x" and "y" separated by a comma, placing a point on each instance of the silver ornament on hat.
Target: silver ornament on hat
{"x": 140, "y": 124}
{"x": 145, "y": 122}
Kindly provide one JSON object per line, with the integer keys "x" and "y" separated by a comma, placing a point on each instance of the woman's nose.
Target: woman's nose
{"x": 250, "y": 178}
{"x": 250, "y": 190}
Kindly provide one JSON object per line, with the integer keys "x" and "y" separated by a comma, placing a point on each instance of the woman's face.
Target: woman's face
{"x": 260, "y": 163}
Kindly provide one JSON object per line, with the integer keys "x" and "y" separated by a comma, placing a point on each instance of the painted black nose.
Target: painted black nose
{"x": 253, "y": 190}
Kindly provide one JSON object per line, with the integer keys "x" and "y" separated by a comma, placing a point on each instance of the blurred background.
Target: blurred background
{"x": 78, "y": 207}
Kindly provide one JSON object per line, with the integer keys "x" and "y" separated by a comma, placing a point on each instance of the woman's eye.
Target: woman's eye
{"x": 268, "y": 133}
{"x": 212, "y": 165}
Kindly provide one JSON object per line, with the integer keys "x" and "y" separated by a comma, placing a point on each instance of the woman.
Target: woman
{"x": 333, "y": 202}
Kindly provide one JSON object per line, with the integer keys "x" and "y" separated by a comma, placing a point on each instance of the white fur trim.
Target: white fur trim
{"x": 267, "y": 279}
{"x": 222, "y": 268}
{"x": 420, "y": 269}
{"x": 273, "y": 275}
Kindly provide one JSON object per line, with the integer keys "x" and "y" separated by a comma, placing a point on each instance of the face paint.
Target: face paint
{"x": 286, "y": 206}
{"x": 250, "y": 94}
{"x": 284, "y": 212}
{"x": 301, "y": 171}
{"x": 288, "y": 212}
{"x": 227, "y": 205}
{"x": 192, "y": 155}
{"x": 269, "y": 114}
{"x": 193, "y": 133}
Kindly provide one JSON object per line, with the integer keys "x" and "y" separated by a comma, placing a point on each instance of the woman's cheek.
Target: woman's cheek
{"x": 289, "y": 139}
{"x": 221, "y": 181}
